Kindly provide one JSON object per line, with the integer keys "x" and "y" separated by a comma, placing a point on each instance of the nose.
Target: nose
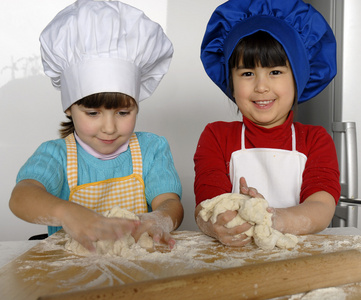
{"x": 108, "y": 124}
{"x": 262, "y": 85}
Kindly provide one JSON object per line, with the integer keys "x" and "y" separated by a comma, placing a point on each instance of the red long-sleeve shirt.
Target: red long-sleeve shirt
{"x": 220, "y": 139}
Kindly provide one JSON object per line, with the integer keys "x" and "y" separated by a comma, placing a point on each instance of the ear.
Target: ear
{"x": 68, "y": 112}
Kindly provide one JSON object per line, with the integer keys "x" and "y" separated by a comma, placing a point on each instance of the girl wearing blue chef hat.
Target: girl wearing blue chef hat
{"x": 105, "y": 57}
{"x": 267, "y": 55}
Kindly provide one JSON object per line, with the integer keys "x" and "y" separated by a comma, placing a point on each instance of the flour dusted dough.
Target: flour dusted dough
{"x": 120, "y": 247}
{"x": 253, "y": 211}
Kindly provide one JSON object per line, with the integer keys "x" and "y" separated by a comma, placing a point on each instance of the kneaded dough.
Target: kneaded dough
{"x": 251, "y": 210}
{"x": 119, "y": 247}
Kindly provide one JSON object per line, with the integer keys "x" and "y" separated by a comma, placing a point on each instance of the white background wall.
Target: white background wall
{"x": 184, "y": 103}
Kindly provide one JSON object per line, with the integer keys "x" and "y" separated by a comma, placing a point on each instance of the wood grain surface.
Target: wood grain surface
{"x": 48, "y": 270}
{"x": 260, "y": 281}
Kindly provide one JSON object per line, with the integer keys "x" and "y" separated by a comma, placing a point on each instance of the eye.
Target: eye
{"x": 124, "y": 113}
{"x": 276, "y": 72}
{"x": 246, "y": 74}
{"x": 279, "y": 70}
{"x": 92, "y": 113}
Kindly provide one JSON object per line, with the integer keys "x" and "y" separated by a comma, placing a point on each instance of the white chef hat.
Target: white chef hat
{"x": 97, "y": 46}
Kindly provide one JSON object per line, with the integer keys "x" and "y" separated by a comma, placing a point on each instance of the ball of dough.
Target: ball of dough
{"x": 119, "y": 247}
{"x": 251, "y": 210}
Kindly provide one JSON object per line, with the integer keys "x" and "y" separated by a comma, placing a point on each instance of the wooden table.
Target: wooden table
{"x": 49, "y": 269}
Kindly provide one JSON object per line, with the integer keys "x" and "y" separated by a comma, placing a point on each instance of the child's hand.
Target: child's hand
{"x": 158, "y": 227}
{"x": 234, "y": 237}
{"x": 87, "y": 226}
{"x": 245, "y": 190}
{"x": 274, "y": 218}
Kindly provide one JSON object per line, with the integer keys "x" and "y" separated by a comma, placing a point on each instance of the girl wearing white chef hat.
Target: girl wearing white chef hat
{"x": 105, "y": 57}
{"x": 267, "y": 55}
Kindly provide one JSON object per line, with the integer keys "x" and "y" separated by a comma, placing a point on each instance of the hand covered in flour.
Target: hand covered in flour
{"x": 166, "y": 216}
{"x": 250, "y": 191}
{"x": 234, "y": 236}
{"x": 88, "y": 227}
{"x": 251, "y": 211}
{"x": 273, "y": 211}
{"x": 158, "y": 226}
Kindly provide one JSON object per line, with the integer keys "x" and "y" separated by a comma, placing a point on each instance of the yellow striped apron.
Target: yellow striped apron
{"x": 126, "y": 192}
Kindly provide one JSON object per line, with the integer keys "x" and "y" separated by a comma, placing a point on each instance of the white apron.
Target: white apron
{"x": 275, "y": 173}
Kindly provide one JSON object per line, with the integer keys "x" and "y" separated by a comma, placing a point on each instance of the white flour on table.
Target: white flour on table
{"x": 194, "y": 252}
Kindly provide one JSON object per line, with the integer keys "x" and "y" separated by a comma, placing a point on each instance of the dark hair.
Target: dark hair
{"x": 258, "y": 49}
{"x": 108, "y": 100}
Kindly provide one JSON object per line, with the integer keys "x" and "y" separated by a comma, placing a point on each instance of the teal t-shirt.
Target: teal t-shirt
{"x": 48, "y": 166}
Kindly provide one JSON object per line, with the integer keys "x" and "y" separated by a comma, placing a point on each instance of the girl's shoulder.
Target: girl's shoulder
{"x": 55, "y": 143}
{"x": 148, "y": 137}
{"x": 144, "y": 135}
{"x": 148, "y": 140}
{"x": 311, "y": 138}
{"x": 222, "y": 128}
{"x": 53, "y": 146}
{"x": 311, "y": 130}
{"x": 225, "y": 125}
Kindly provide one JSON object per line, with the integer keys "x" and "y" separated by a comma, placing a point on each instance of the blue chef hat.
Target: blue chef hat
{"x": 302, "y": 31}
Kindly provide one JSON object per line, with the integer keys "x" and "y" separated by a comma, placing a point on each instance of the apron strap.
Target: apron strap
{"x": 243, "y": 137}
{"x": 293, "y": 138}
{"x": 72, "y": 161}
{"x": 136, "y": 155}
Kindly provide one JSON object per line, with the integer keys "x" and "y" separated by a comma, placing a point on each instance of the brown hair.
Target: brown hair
{"x": 108, "y": 100}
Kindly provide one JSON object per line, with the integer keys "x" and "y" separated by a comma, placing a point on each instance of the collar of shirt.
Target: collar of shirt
{"x": 98, "y": 155}
{"x": 275, "y": 137}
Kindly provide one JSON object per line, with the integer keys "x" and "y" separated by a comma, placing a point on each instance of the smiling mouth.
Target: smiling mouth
{"x": 263, "y": 103}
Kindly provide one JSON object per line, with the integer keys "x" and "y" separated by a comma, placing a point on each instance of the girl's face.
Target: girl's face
{"x": 264, "y": 95}
{"x": 105, "y": 130}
